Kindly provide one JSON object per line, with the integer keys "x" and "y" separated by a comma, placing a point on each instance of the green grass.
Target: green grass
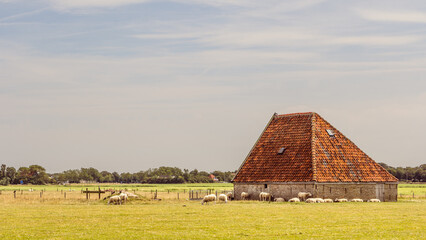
{"x": 138, "y": 187}
{"x": 248, "y": 220}
{"x": 53, "y": 217}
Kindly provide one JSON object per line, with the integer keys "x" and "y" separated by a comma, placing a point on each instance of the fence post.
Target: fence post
{"x": 65, "y": 195}
{"x": 178, "y": 195}
{"x": 99, "y": 188}
{"x": 87, "y": 193}
{"x": 14, "y": 194}
{"x": 41, "y": 194}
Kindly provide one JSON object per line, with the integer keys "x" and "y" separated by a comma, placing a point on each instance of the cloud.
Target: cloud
{"x": 388, "y": 16}
{"x": 72, "y": 4}
{"x": 278, "y": 37}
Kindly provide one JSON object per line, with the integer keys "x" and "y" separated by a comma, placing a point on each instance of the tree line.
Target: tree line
{"x": 409, "y": 174}
{"x": 36, "y": 174}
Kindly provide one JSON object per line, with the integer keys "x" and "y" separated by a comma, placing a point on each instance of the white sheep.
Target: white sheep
{"x": 340, "y": 200}
{"x": 123, "y": 197}
{"x": 263, "y": 196}
{"x": 208, "y": 198}
{"x": 374, "y": 200}
{"x": 311, "y": 200}
{"x": 328, "y": 200}
{"x": 279, "y": 199}
{"x": 229, "y": 195}
{"x": 244, "y": 196}
{"x": 319, "y": 200}
{"x": 114, "y": 199}
{"x": 303, "y": 195}
{"x": 357, "y": 200}
{"x": 294, "y": 200}
{"x": 223, "y": 197}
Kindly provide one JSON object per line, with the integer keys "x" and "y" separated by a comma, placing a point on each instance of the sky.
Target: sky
{"x": 127, "y": 85}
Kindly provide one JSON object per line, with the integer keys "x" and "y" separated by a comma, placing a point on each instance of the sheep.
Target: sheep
{"x": 263, "y": 196}
{"x": 131, "y": 195}
{"x": 223, "y": 197}
{"x": 340, "y": 200}
{"x": 328, "y": 200}
{"x": 294, "y": 200}
{"x": 357, "y": 200}
{"x": 279, "y": 199}
{"x": 229, "y": 195}
{"x": 244, "y": 196}
{"x": 311, "y": 200}
{"x": 114, "y": 199}
{"x": 123, "y": 197}
{"x": 374, "y": 200}
{"x": 208, "y": 198}
{"x": 303, "y": 195}
{"x": 319, "y": 200}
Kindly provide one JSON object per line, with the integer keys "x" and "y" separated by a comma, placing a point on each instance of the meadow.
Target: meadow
{"x": 29, "y": 216}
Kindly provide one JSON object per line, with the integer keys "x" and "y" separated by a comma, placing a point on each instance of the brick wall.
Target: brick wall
{"x": 384, "y": 191}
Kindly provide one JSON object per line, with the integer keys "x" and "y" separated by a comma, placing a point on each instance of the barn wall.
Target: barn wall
{"x": 384, "y": 191}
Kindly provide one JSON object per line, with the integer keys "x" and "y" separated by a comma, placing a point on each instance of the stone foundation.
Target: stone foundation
{"x": 386, "y": 192}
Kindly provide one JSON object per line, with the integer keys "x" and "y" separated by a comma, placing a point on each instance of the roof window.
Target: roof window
{"x": 281, "y": 151}
{"x": 330, "y": 132}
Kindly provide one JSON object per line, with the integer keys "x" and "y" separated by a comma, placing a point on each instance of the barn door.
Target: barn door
{"x": 380, "y": 189}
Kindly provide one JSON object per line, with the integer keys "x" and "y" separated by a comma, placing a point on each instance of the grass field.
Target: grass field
{"x": 53, "y": 217}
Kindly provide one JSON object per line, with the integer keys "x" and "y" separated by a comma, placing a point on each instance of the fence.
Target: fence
{"x": 86, "y": 194}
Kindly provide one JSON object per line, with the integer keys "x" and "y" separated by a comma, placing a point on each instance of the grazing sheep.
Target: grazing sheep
{"x": 311, "y": 200}
{"x": 114, "y": 199}
{"x": 357, "y": 200}
{"x": 123, "y": 197}
{"x": 304, "y": 195}
{"x": 319, "y": 200}
{"x": 374, "y": 200}
{"x": 223, "y": 197}
{"x": 263, "y": 196}
{"x": 244, "y": 196}
{"x": 340, "y": 200}
{"x": 328, "y": 200}
{"x": 131, "y": 195}
{"x": 208, "y": 198}
{"x": 294, "y": 200}
{"x": 279, "y": 199}
{"x": 229, "y": 195}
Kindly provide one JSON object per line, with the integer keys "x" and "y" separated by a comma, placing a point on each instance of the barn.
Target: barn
{"x": 302, "y": 152}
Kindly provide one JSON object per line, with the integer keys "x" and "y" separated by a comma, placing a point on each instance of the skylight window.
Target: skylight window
{"x": 281, "y": 151}
{"x": 330, "y": 132}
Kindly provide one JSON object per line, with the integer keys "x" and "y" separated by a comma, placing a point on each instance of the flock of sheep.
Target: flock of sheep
{"x": 121, "y": 198}
{"x": 303, "y": 196}
{"x": 263, "y": 196}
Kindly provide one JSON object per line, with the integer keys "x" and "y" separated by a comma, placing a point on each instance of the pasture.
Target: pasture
{"x": 52, "y": 217}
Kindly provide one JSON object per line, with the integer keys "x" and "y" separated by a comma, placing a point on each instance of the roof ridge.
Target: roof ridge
{"x": 313, "y": 152}
{"x": 294, "y": 114}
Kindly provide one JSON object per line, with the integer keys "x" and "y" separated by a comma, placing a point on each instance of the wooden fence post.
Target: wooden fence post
{"x": 65, "y": 195}
{"x": 41, "y": 194}
{"x": 99, "y": 188}
{"x": 14, "y": 194}
{"x": 87, "y": 193}
{"x": 178, "y": 195}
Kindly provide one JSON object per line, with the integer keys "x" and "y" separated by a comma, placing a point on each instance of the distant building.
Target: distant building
{"x": 301, "y": 152}
{"x": 212, "y": 177}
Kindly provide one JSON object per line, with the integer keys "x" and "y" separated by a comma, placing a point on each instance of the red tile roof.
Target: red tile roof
{"x": 310, "y": 154}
